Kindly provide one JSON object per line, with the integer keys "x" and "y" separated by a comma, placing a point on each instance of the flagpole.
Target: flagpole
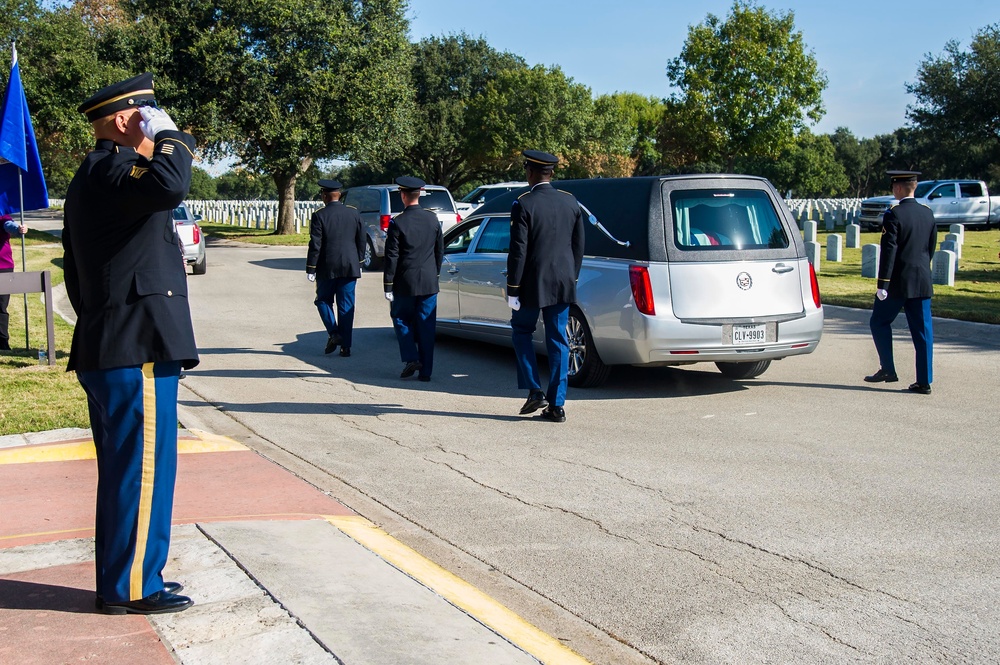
{"x": 24, "y": 260}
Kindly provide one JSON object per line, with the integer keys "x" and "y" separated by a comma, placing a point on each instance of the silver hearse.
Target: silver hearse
{"x": 677, "y": 270}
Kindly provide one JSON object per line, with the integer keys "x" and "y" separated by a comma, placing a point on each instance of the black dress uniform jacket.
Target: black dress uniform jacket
{"x": 909, "y": 237}
{"x": 414, "y": 249}
{"x": 336, "y": 242}
{"x": 123, "y": 268}
{"x": 546, "y": 247}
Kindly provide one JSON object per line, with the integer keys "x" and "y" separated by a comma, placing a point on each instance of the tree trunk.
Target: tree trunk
{"x": 286, "y": 203}
{"x": 285, "y": 183}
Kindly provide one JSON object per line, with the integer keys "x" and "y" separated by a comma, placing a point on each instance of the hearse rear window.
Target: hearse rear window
{"x": 720, "y": 219}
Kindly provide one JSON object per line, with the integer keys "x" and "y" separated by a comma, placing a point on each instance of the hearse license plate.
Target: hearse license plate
{"x": 756, "y": 334}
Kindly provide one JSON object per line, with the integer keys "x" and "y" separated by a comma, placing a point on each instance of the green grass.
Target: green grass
{"x": 975, "y": 296}
{"x": 255, "y": 236}
{"x": 37, "y": 397}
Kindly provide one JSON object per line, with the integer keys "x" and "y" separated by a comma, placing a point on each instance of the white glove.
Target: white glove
{"x": 311, "y": 276}
{"x": 154, "y": 121}
{"x": 514, "y": 303}
{"x": 388, "y": 296}
{"x": 881, "y": 294}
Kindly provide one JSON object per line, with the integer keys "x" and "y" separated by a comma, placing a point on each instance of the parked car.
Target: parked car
{"x": 380, "y": 203}
{"x": 952, "y": 202}
{"x": 677, "y": 270}
{"x": 483, "y": 194}
{"x": 192, "y": 239}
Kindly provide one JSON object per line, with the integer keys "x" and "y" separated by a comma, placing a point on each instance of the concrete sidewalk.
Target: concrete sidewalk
{"x": 279, "y": 572}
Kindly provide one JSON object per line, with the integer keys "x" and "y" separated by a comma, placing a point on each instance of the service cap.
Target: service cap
{"x": 330, "y": 185}
{"x": 409, "y": 183}
{"x": 134, "y": 92}
{"x": 903, "y": 176}
{"x": 539, "y": 159}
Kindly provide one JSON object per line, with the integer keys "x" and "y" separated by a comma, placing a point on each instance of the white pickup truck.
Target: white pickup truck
{"x": 952, "y": 202}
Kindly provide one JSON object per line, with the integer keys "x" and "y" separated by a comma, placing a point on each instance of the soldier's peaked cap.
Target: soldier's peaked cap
{"x": 408, "y": 182}
{"x": 540, "y": 159}
{"x": 330, "y": 185}
{"x": 136, "y": 91}
{"x": 903, "y": 176}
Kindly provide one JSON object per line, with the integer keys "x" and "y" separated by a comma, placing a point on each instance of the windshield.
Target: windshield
{"x": 437, "y": 200}
{"x": 473, "y": 196}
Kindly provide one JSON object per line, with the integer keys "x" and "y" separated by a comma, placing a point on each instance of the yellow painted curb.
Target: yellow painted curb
{"x": 83, "y": 450}
{"x": 457, "y": 591}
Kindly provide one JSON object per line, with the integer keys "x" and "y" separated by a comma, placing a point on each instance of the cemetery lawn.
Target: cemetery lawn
{"x": 255, "y": 236}
{"x": 975, "y": 296}
{"x": 33, "y": 397}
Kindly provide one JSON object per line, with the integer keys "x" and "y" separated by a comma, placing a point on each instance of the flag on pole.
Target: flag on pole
{"x": 19, "y": 152}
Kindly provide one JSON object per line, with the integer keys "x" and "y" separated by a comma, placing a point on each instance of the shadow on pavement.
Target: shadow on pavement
{"x": 298, "y": 263}
{"x": 18, "y": 595}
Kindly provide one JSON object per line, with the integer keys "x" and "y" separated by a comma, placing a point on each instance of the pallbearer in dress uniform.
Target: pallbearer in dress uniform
{"x": 546, "y": 252}
{"x": 126, "y": 280}
{"x": 336, "y": 248}
{"x": 909, "y": 237}
{"x": 414, "y": 249}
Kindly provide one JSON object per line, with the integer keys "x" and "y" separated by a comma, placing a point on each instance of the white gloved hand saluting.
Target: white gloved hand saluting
{"x": 311, "y": 276}
{"x": 388, "y": 296}
{"x": 881, "y": 294}
{"x": 514, "y": 303}
{"x": 154, "y": 121}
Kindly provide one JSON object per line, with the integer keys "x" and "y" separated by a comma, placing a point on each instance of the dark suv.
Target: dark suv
{"x": 380, "y": 203}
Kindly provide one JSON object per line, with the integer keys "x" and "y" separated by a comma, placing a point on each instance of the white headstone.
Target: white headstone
{"x": 957, "y": 240}
{"x": 943, "y": 267}
{"x": 959, "y": 230}
{"x": 853, "y": 236}
{"x": 812, "y": 253}
{"x": 809, "y": 231}
{"x": 869, "y": 260}
{"x": 834, "y": 248}
{"x": 829, "y": 220}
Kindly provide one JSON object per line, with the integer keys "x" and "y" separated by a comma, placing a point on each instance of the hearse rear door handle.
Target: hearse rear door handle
{"x": 781, "y": 267}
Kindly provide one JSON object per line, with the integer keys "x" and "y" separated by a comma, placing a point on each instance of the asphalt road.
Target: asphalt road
{"x": 678, "y": 516}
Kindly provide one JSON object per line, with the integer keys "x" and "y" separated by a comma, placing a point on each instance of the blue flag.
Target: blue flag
{"x": 19, "y": 153}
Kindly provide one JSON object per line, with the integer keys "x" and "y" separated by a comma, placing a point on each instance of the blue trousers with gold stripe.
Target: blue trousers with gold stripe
{"x": 133, "y": 415}
{"x": 918, "y": 319}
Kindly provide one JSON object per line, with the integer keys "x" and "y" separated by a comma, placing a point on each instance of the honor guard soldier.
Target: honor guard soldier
{"x": 546, "y": 252}
{"x": 126, "y": 280}
{"x": 336, "y": 248}
{"x": 414, "y": 249}
{"x": 909, "y": 237}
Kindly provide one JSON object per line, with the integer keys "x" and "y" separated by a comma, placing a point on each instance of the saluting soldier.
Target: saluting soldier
{"x": 909, "y": 237}
{"x": 546, "y": 252}
{"x": 126, "y": 280}
{"x": 336, "y": 248}
{"x": 414, "y": 249}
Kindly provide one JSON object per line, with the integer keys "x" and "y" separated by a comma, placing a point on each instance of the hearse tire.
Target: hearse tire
{"x": 749, "y": 370}
{"x": 370, "y": 260}
{"x": 586, "y": 370}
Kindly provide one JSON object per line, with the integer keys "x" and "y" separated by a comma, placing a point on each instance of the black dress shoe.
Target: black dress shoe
{"x": 410, "y": 369}
{"x": 345, "y": 352}
{"x": 331, "y": 343}
{"x": 161, "y": 602}
{"x": 554, "y": 413}
{"x": 536, "y": 401}
{"x": 425, "y": 379}
{"x": 922, "y": 388}
{"x": 881, "y": 376}
{"x": 170, "y": 587}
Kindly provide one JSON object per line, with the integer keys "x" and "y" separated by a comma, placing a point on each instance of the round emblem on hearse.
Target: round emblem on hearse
{"x": 744, "y": 281}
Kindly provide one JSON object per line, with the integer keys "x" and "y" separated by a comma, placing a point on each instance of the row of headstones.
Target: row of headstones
{"x": 943, "y": 266}
{"x": 831, "y": 212}
{"x": 252, "y": 214}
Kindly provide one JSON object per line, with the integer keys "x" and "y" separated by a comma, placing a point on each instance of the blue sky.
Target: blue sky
{"x": 869, "y": 50}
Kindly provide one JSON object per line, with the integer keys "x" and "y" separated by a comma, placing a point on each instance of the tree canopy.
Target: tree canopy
{"x": 746, "y": 83}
